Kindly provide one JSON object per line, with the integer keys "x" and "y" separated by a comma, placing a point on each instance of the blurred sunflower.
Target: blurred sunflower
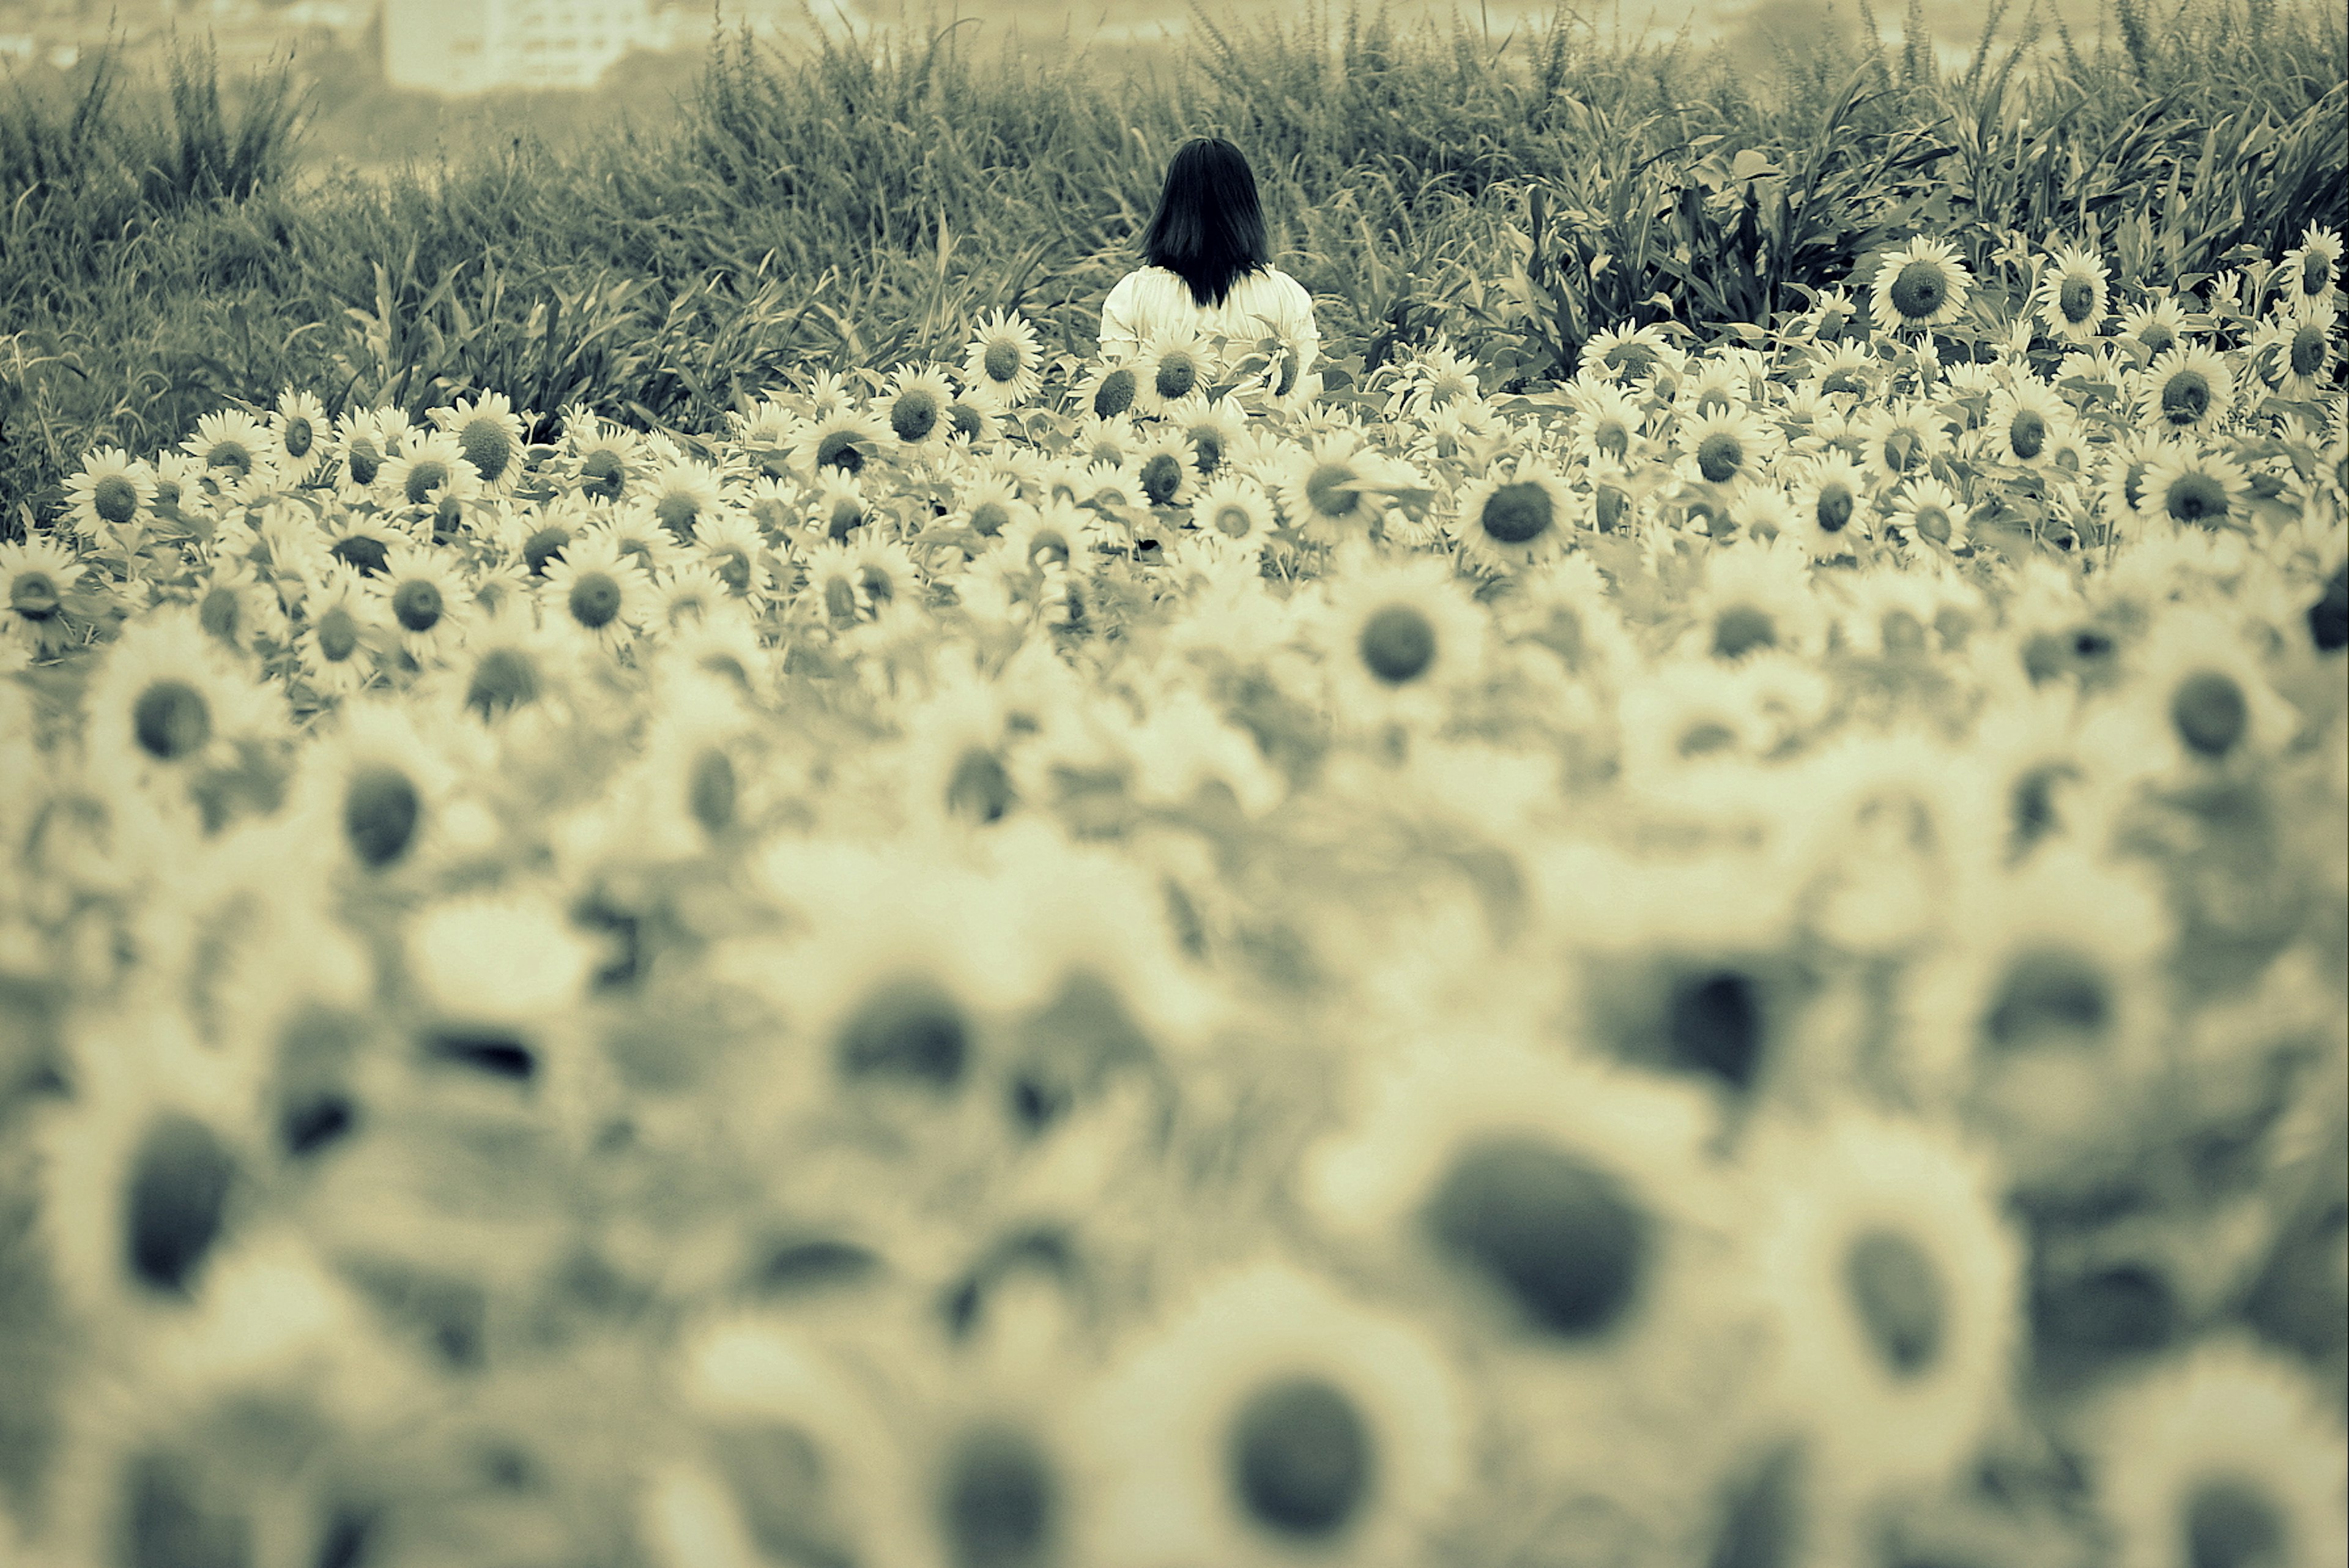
{"x": 847, "y": 440}
{"x": 1900, "y": 440}
{"x": 239, "y": 454}
{"x": 1831, "y": 506}
{"x": 594, "y": 591}
{"x": 681, "y": 495}
{"x": 235, "y": 606}
{"x": 337, "y": 653}
{"x": 1234, "y": 506}
{"x": 508, "y": 664}
{"x": 1272, "y": 1420}
{"x": 426, "y": 597}
{"x": 607, "y": 460}
{"x": 1611, "y": 423}
{"x": 1004, "y": 361}
{"x": 2071, "y": 294}
{"x": 1923, "y": 284}
{"x": 168, "y": 701}
{"x": 428, "y": 468}
{"x": 838, "y": 509}
{"x": 2224, "y": 1455}
{"x": 2309, "y": 271}
{"x": 2188, "y": 389}
{"x": 1401, "y": 639}
{"x": 1755, "y": 598}
{"x": 38, "y": 580}
{"x": 1928, "y": 514}
{"x": 2195, "y": 489}
{"x": 1318, "y": 489}
{"x": 1211, "y": 430}
{"x": 834, "y": 595}
{"x": 1724, "y": 446}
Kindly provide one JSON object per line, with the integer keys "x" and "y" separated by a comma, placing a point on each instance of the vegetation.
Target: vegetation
{"x": 853, "y": 205}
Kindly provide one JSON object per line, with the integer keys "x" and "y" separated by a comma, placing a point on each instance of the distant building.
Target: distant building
{"x": 464, "y": 47}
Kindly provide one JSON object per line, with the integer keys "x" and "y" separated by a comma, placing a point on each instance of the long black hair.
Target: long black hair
{"x": 1209, "y": 226}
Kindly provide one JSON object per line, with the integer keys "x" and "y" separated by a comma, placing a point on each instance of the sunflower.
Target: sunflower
{"x": 428, "y": 468}
{"x": 1234, "y": 506}
{"x": 1004, "y": 361}
{"x": 1847, "y": 369}
{"x": 723, "y": 646}
{"x": 1723, "y": 447}
{"x": 2201, "y": 701}
{"x": 1900, "y": 440}
{"x": 240, "y": 455}
{"x": 2187, "y": 388}
{"x": 1762, "y": 509}
{"x": 360, "y": 447}
{"x": 1756, "y": 598}
{"x": 1928, "y": 513}
{"x": 1109, "y": 441}
{"x": 595, "y": 590}
{"x": 1112, "y": 388}
{"x": 109, "y": 491}
{"x": 1921, "y": 285}
{"x": 1831, "y": 506}
{"x": 833, "y": 592}
{"x": 605, "y": 460}
{"x": 1515, "y": 518}
{"x": 2028, "y": 424}
{"x": 489, "y": 435}
{"x": 2309, "y": 270}
{"x": 2193, "y": 488}
{"x": 914, "y": 408}
{"x": 1319, "y": 488}
{"x": 1435, "y": 377}
{"x": 1398, "y": 638}
{"x": 2154, "y": 328}
{"x": 235, "y": 606}
{"x": 2301, "y": 346}
{"x": 1213, "y": 431}
{"x": 1174, "y": 363}
{"x": 728, "y": 545}
{"x": 972, "y": 423}
{"x": 2128, "y": 503}
{"x": 424, "y": 595}
{"x": 2072, "y": 294}
{"x": 341, "y": 625}
{"x": 1718, "y": 386}
{"x": 360, "y": 539}
{"x": 1163, "y": 471}
{"x": 1632, "y": 354}
{"x": 681, "y": 495}
{"x": 2226, "y": 1454}
{"x": 1896, "y": 1292}
{"x": 1277, "y": 1421}
{"x": 39, "y": 577}
{"x": 988, "y": 506}
{"x": 845, "y": 440}
{"x": 641, "y": 535}
{"x": 1611, "y": 422}
{"x": 168, "y": 701}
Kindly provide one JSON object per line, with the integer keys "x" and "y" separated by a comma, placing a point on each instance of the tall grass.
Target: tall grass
{"x": 848, "y": 203}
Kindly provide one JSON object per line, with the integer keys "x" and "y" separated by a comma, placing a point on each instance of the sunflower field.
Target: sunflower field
{"x": 1712, "y": 943}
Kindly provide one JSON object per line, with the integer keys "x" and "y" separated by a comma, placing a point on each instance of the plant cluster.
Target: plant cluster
{"x": 1042, "y": 962}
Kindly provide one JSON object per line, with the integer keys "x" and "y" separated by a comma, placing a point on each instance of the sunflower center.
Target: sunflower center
{"x": 602, "y": 474}
{"x": 2209, "y": 712}
{"x": 1177, "y": 374}
{"x": 1713, "y": 1023}
{"x": 364, "y": 458}
{"x": 1115, "y": 393}
{"x": 1324, "y": 494}
{"x": 338, "y": 635}
{"x": 1834, "y": 508}
{"x": 298, "y": 437}
{"x": 219, "y": 612}
{"x": 1920, "y": 290}
{"x": 1234, "y": 520}
{"x": 980, "y": 788}
{"x": 965, "y": 421}
{"x": 913, "y": 414}
{"x": 1206, "y": 448}
{"x": 2157, "y": 339}
{"x": 1161, "y": 476}
{"x": 542, "y": 546}
{"x": 731, "y": 566}
{"x": 1609, "y": 504}
{"x": 34, "y": 595}
{"x": 176, "y": 1199}
{"x": 2307, "y": 352}
{"x": 1613, "y": 437}
{"x": 1001, "y": 1503}
{"x": 488, "y": 445}
{"x": 1900, "y": 1300}
{"x": 840, "y": 599}
{"x": 2185, "y": 396}
{"x": 1902, "y": 450}
{"x": 428, "y": 475}
{"x": 230, "y": 454}
{"x": 1286, "y": 382}
{"x": 1705, "y": 737}
{"x": 1300, "y": 1457}
{"x": 1560, "y": 1238}
{"x": 2195, "y": 497}
{"x": 2315, "y": 275}
{"x": 505, "y": 679}
{"x": 1844, "y": 380}
{"x": 1002, "y": 361}
{"x": 2026, "y": 433}
{"x": 1741, "y": 628}
{"x": 171, "y": 720}
{"x": 594, "y": 600}
{"x": 2047, "y": 996}
{"x": 1630, "y": 358}
{"x": 906, "y": 1028}
{"x": 2229, "y": 1524}
{"x": 2133, "y": 484}
{"x": 115, "y": 499}
{"x": 847, "y": 512}
{"x": 987, "y": 518}
{"x": 379, "y": 812}
{"x": 1517, "y": 512}
{"x": 711, "y": 790}
{"x": 2076, "y": 300}
{"x": 1398, "y": 644}
{"x": 677, "y": 512}
{"x": 1719, "y": 456}
{"x": 416, "y": 605}
{"x": 1933, "y": 523}
{"x": 839, "y": 449}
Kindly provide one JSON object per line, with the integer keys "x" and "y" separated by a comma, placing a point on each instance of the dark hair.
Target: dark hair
{"x": 1209, "y": 226}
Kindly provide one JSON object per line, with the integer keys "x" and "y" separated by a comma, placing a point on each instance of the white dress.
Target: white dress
{"x": 1260, "y": 305}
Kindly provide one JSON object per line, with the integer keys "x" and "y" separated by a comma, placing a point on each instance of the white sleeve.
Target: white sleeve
{"x": 1302, "y": 330}
{"x": 1121, "y": 335}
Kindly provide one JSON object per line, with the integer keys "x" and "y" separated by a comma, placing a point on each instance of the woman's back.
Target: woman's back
{"x": 1264, "y": 303}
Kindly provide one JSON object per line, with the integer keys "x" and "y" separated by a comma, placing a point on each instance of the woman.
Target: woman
{"x": 1208, "y": 267}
